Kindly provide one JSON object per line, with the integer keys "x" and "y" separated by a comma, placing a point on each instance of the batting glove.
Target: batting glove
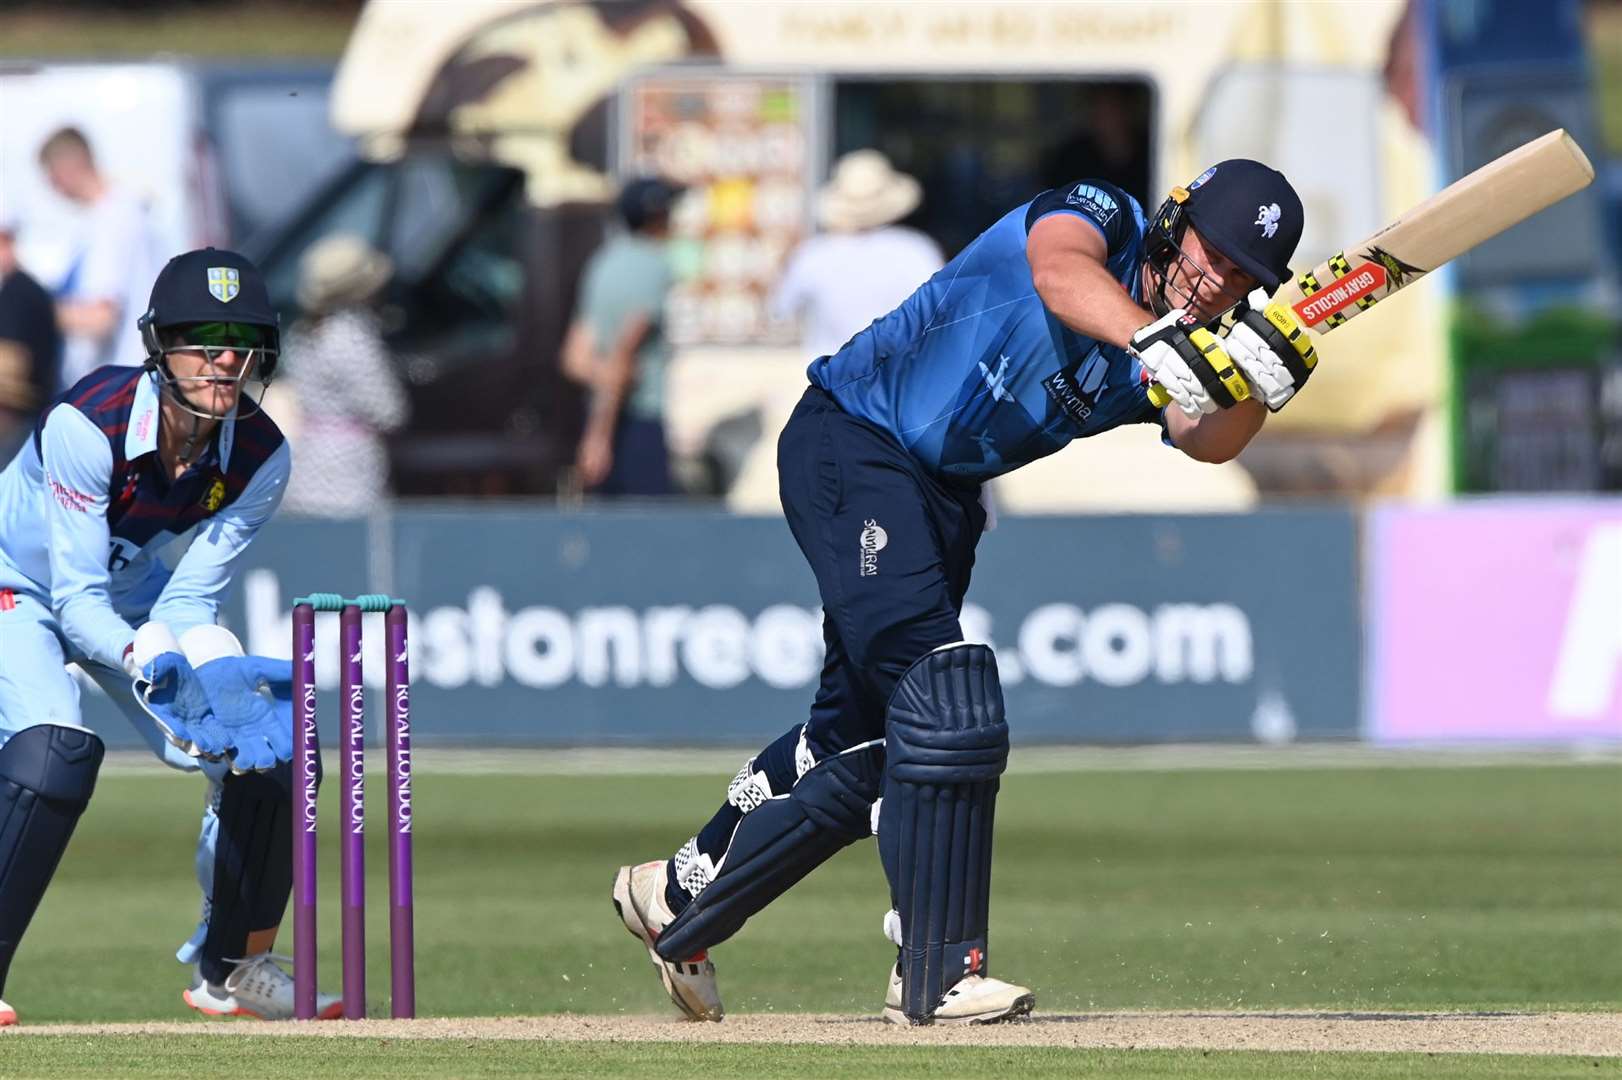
{"x": 1189, "y": 366}
{"x": 1272, "y": 348}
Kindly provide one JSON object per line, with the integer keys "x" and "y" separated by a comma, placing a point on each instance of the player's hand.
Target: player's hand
{"x": 1272, "y": 348}
{"x": 1189, "y": 364}
{"x": 252, "y": 701}
{"x": 594, "y": 459}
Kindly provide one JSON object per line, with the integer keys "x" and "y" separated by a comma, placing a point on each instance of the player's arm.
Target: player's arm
{"x": 1218, "y": 436}
{"x": 1068, "y": 254}
{"x": 192, "y": 596}
{"x": 78, "y": 474}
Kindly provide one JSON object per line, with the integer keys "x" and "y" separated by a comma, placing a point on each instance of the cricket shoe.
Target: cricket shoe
{"x": 258, "y": 986}
{"x": 639, "y": 897}
{"x": 975, "y": 999}
{"x": 8, "y": 1015}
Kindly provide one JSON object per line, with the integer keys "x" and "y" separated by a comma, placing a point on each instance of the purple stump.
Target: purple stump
{"x": 402, "y": 951}
{"x": 353, "y": 809}
{"x": 306, "y": 767}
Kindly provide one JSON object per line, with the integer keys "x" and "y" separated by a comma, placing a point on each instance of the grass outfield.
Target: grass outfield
{"x": 1484, "y": 888}
{"x": 351, "y": 1058}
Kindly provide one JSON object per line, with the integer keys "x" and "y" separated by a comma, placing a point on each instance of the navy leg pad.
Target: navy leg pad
{"x": 778, "y": 843}
{"x": 47, "y": 775}
{"x": 253, "y": 865}
{"x": 946, "y": 745}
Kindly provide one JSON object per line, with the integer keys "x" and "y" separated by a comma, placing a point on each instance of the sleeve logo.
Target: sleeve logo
{"x": 69, "y": 499}
{"x": 1096, "y": 202}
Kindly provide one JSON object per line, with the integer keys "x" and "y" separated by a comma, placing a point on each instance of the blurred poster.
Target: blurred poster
{"x": 742, "y": 145}
{"x": 1499, "y": 620}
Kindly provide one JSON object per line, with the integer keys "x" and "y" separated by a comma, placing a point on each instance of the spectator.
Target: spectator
{"x": 115, "y": 261}
{"x": 30, "y": 345}
{"x": 344, "y": 381}
{"x": 616, "y": 347}
{"x": 864, "y": 264}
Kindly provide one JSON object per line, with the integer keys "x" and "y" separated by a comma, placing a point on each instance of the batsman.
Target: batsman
{"x": 122, "y": 522}
{"x": 1050, "y": 326}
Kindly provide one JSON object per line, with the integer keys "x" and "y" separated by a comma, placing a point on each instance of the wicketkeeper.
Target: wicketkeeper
{"x": 121, "y": 522}
{"x": 1048, "y": 327}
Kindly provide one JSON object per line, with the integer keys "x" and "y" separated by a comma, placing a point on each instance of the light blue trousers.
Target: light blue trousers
{"x": 36, "y": 688}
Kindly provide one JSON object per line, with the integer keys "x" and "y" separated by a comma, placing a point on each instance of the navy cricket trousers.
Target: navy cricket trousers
{"x": 892, "y": 548}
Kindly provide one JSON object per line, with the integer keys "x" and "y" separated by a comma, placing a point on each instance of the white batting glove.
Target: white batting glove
{"x": 1272, "y": 348}
{"x": 1189, "y": 364}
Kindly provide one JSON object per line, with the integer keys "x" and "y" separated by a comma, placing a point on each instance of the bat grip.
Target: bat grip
{"x": 1158, "y": 396}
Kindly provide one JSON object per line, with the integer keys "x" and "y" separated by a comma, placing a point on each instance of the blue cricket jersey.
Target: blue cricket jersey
{"x": 973, "y": 375}
{"x": 92, "y": 526}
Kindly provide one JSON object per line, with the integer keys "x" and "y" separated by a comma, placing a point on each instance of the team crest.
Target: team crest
{"x": 224, "y": 283}
{"x": 216, "y": 494}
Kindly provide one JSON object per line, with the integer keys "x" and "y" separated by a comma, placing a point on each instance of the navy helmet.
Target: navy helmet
{"x": 210, "y": 285}
{"x": 1243, "y": 209}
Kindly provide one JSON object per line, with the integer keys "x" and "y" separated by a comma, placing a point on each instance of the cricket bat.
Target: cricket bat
{"x": 1470, "y": 211}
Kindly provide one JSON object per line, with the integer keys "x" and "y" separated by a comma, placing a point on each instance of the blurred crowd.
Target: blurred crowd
{"x": 609, "y": 286}
{"x": 343, "y": 393}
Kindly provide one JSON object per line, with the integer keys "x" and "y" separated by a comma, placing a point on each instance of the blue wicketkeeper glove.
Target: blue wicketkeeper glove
{"x": 172, "y": 694}
{"x": 252, "y": 701}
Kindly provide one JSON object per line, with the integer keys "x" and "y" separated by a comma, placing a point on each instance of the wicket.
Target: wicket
{"x": 306, "y": 765}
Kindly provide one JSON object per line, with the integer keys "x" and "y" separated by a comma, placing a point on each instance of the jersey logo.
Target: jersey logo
{"x": 215, "y": 497}
{"x": 126, "y": 494}
{"x": 1095, "y": 201}
{"x": 224, "y": 283}
{"x": 1075, "y": 402}
{"x": 995, "y": 379}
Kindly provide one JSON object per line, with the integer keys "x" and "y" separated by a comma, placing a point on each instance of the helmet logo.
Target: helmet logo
{"x": 224, "y": 283}
{"x": 1267, "y": 217}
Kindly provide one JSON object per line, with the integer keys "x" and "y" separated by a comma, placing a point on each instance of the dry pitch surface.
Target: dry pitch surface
{"x": 1588, "y": 1034}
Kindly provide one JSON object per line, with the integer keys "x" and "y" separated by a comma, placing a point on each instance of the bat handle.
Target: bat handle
{"x": 1158, "y": 396}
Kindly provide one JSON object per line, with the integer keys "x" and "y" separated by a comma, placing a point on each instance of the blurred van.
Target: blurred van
{"x": 493, "y": 135}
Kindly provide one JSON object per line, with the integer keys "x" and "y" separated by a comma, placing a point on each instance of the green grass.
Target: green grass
{"x": 1496, "y": 888}
{"x": 1478, "y": 888}
{"x": 349, "y": 1058}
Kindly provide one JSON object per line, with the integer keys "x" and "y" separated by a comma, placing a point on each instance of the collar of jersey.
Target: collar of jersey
{"x": 141, "y": 437}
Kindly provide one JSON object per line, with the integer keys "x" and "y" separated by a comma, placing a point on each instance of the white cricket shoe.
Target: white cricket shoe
{"x": 8, "y": 1015}
{"x": 976, "y": 999}
{"x": 639, "y": 897}
{"x": 259, "y": 987}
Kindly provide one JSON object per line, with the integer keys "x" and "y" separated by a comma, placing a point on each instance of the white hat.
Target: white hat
{"x": 865, "y": 192}
{"x": 341, "y": 269}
